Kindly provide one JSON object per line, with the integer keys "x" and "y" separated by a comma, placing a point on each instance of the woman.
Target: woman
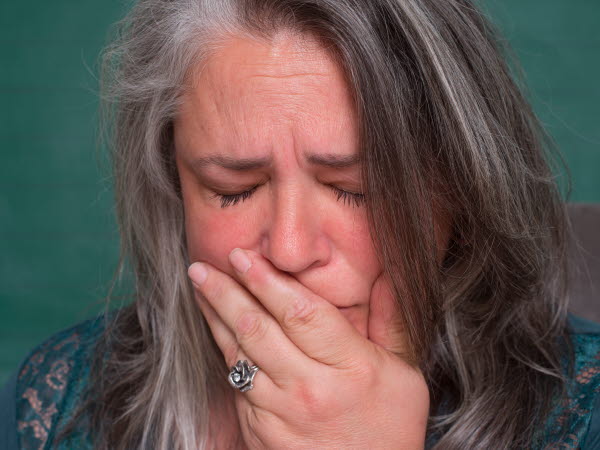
{"x": 344, "y": 233}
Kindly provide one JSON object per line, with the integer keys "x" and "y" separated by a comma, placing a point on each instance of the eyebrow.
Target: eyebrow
{"x": 240, "y": 164}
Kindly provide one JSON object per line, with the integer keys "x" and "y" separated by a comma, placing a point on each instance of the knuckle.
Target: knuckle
{"x": 249, "y": 327}
{"x": 300, "y": 314}
{"x": 314, "y": 401}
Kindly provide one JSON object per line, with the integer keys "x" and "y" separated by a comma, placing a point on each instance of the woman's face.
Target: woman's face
{"x": 276, "y": 122}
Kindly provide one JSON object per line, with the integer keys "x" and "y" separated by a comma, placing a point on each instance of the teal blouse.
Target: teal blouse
{"x": 44, "y": 392}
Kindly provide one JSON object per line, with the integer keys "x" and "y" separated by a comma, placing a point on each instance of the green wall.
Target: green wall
{"x": 58, "y": 241}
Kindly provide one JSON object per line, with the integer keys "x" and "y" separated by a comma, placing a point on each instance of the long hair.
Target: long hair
{"x": 445, "y": 129}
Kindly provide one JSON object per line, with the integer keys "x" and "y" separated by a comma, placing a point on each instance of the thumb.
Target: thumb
{"x": 385, "y": 325}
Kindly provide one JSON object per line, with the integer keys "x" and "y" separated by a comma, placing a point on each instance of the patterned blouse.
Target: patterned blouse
{"x": 44, "y": 392}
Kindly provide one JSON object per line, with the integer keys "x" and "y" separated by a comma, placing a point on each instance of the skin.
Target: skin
{"x": 314, "y": 275}
{"x": 281, "y": 101}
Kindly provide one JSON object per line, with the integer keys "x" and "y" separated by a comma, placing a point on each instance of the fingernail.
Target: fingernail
{"x": 239, "y": 260}
{"x": 198, "y": 273}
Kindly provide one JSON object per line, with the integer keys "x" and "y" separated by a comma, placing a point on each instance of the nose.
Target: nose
{"x": 293, "y": 238}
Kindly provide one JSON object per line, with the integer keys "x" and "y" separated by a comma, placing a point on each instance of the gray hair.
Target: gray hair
{"x": 442, "y": 122}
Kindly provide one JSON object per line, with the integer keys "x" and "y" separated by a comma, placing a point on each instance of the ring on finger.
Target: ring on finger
{"x": 242, "y": 375}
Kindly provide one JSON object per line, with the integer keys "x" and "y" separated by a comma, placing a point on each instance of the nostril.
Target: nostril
{"x": 293, "y": 245}
{"x": 296, "y": 262}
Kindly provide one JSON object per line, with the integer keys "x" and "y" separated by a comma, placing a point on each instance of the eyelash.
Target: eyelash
{"x": 345, "y": 196}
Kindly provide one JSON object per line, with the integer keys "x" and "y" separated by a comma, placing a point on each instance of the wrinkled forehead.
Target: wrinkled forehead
{"x": 250, "y": 92}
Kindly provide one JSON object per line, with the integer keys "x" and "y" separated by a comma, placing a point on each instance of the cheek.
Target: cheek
{"x": 356, "y": 270}
{"x": 211, "y": 237}
{"x": 348, "y": 276}
{"x": 356, "y": 256}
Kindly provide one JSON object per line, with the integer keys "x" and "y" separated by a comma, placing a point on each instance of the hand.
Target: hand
{"x": 321, "y": 384}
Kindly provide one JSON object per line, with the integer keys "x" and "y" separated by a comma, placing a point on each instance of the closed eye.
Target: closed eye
{"x": 350, "y": 198}
{"x": 232, "y": 199}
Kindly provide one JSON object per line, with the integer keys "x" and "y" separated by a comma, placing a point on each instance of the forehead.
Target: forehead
{"x": 249, "y": 91}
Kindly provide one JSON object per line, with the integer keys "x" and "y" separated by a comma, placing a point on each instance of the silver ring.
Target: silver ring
{"x": 241, "y": 375}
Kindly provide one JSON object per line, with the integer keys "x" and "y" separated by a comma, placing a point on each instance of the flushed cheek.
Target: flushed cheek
{"x": 346, "y": 279}
{"x": 355, "y": 282}
{"x": 212, "y": 236}
{"x": 353, "y": 242}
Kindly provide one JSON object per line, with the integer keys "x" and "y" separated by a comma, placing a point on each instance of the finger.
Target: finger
{"x": 265, "y": 393}
{"x": 251, "y": 326}
{"x": 317, "y": 327}
{"x": 223, "y": 336}
{"x": 385, "y": 324}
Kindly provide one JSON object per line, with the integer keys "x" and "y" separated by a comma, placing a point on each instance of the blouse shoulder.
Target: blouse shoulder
{"x": 50, "y": 384}
{"x": 575, "y": 421}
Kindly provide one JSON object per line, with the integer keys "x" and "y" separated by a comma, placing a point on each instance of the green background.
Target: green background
{"x": 59, "y": 243}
